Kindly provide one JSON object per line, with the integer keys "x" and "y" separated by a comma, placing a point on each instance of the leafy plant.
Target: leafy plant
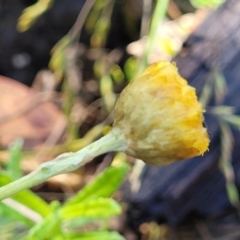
{"x": 39, "y": 220}
{"x": 92, "y": 205}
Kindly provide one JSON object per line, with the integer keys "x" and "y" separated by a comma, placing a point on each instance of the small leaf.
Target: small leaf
{"x": 232, "y": 193}
{"x": 227, "y": 142}
{"x": 106, "y": 90}
{"x": 32, "y": 13}
{"x": 222, "y": 110}
{"x": 220, "y": 86}
{"x": 97, "y": 235}
{"x": 117, "y": 73}
{"x": 103, "y": 186}
{"x": 99, "y": 208}
{"x": 9, "y": 214}
{"x": 13, "y": 167}
{"x": 130, "y": 68}
{"x": 58, "y": 61}
{"x": 206, "y": 93}
{"x": 99, "y": 36}
{"x": 94, "y": 15}
{"x": 50, "y": 226}
{"x": 233, "y": 120}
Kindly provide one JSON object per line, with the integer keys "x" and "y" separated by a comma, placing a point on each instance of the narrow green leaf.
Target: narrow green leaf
{"x": 233, "y": 120}
{"x": 45, "y": 229}
{"x": 32, "y": 13}
{"x": 220, "y": 86}
{"x": 52, "y": 224}
{"x": 227, "y": 142}
{"x": 11, "y": 215}
{"x": 106, "y": 90}
{"x": 232, "y": 193}
{"x": 97, "y": 235}
{"x": 27, "y": 198}
{"x": 49, "y": 227}
{"x": 13, "y": 167}
{"x": 58, "y": 61}
{"x": 101, "y": 207}
{"x": 103, "y": 186}
{"x": 222, "y": 110}
{"x": 206, "y": 93}
{"x": 158, "y": 16}
{"x": 130, "y": 67}
{"x": 206, "y": 3}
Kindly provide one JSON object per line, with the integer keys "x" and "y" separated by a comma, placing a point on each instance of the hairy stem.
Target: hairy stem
{"x": 66, "y": 162}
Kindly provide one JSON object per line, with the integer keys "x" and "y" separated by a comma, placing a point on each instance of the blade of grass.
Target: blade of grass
{"x": 220, "y": 86}
{"x": 158, "y": 16}
{"x": 13, "y": 167}
{"x": 227, "y": 142}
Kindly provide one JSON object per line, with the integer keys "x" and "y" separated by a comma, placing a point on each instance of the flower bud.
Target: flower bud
{"x": 160, "y": 117}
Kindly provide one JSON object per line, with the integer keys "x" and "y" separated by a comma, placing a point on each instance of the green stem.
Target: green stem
{"x": 66, "y": 162}
{"x": 158, "y": 16}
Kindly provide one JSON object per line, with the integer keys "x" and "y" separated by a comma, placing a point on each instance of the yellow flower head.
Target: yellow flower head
{"x": 160, "y": 117}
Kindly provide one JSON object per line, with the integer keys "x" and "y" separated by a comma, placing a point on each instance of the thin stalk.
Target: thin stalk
{"x": 75, "y": 31}
{"x": 146, "y": 17}
{"x": 66, "y": 162}
{"x": 158, "y": 16}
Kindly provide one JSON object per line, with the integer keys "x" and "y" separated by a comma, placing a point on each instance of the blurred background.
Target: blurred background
{"x": 62, "y": 67}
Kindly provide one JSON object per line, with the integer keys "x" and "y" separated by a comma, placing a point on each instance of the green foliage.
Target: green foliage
{"x": 100, "y": 26}
{"x": 98, "y": 235}
{"x": 103, "y": 186}
{"x": 10, "y": 215}
{"x": 99, "y": 208}
{"x": 58, "y": 61}
{"x": 106, "y": 90}
{"x": 13, "y": 171}
{"x": 206, "y": 3}
{"x": 234, "y": 120}
{"x": 92, "y": 204}
{"x": 32, "y": 13}
{"x": 130, "y": 68}
{"x": 215, "y": 88}
{"x": 227, "y": 141}
{"x": 158, "y": 16}
{"x": 55, "y": 221}
{"x": 117, "y": 73}
{"x": 13, "y": 165}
